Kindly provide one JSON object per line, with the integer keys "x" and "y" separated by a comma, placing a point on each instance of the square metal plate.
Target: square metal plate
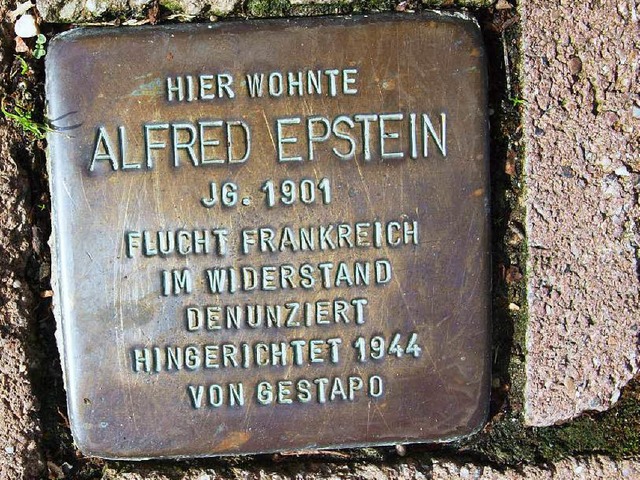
{"x": 271, "y": 235}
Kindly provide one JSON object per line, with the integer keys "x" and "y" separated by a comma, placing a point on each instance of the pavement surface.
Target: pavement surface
{"x": 582, "y": 126}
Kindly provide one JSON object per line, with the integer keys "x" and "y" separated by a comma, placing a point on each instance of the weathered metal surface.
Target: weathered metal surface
{"x": 305, "y": 267}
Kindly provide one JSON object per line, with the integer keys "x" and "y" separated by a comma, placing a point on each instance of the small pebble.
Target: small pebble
{"x": 503, "y": 5}
{"x": 615, "y": 396}
{"x": 575, "y": 65}
{"x": 9, "y": 450}
{"x": 26, "y": 26}
{"x": 20, "y": 9}
{"x": 21, "y": 47}
{"x": 622, "y": 171}
{"x": 401, "y": 450}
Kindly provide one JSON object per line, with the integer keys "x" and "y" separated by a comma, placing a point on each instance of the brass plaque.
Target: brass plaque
{"x": 271, "y": 235}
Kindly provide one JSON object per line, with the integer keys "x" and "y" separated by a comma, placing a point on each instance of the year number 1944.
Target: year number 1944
{"x": 378, "y": 347}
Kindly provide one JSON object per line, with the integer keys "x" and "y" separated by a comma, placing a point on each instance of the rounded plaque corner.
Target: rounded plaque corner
{"x": 90, "y": 448}
{"x": 94, "y": 439}
{"x": 478, "y": 419}
{"x": 84, "y": 443}
{"x": 59, "y": 43}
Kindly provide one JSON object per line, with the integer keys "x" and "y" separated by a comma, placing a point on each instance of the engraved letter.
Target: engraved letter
{"x": 206, "y": 85}
{"x": 314, "y": 82}
{"x": 230, "y": 144}
{"x": 224, "y": 83}
{"x": 248, "y": 239}
{"x": 194, "y": 319}
{"x": 208, "y": 142}
{"x": 334, "y": 346}
{"x": 102, "y": 150}
{"x": 264, "y": 393}
{"x": 173, "y": 89}
{"x": 355, "y": 384}
{"x": 315, "y": 351}
{"x": 196, "y": 393}
{"x": 254, "y": 84}
{"x": 411, "y": 232}
{"x": 284, "y": 390}
{"x": 215, "y": 395}
{"x": 236, "y": 394}
{"x": 133, "y": 241}
{"x": 311, "y": 121}
{"x": 122, "y": 140}
{"x": 188, "y": 145}
{"x": 376, "y": 388}
{"x": 383, "y": 271}
{"x": 366, "y": 132}
{"x": 249, "y": 278}
{"x": 282, "y": 140}
{"x": 359, "y": 303}
{"x": 141, "y": 360}
{"x": 348, "y": 79}
{"x": 295, "y": 83}
{"x": 428, "y": 126}
{"x": 344, "y": 136}
{"x": 332, "y": 74}
{"x": 221, "y": 236}
{"x": 275, "y": 84}
{"x": 149, "y": 145}
{"x": 385, "y": 135}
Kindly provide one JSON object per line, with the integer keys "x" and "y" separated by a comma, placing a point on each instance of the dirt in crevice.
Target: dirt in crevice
{"x": 21, "y": 454}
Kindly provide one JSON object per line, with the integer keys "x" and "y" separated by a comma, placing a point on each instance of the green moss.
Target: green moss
{"x": 313, "y": 9}
{"x": 457, "y": 3}
{"x": 282, "y": 8}
{"x": 171, "y": 5}
{"x": 366, "y": 6}
{"x": 615, "y": 432}
{"x": 269, "y": 8}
